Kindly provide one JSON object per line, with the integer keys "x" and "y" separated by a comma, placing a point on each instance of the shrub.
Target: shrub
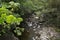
{"x": 8, "y": 18}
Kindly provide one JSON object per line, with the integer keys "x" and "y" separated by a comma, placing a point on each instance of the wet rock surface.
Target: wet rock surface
{"x": 38, "y": 30}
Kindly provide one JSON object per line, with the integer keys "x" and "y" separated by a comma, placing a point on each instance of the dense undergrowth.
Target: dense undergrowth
{"x": 9, "y": 20}
{"x": 12, "y": 13}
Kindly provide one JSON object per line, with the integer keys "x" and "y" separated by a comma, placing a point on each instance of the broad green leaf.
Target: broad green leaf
{"x": 10, "y": 19}
{"x": 1, "y": 21}
{"x": 19, "y": 20}
{"x": 22, "y": 29}
{"x": 18, "y": 32}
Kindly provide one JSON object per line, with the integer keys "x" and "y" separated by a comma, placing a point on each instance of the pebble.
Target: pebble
{"x": 37, "y": 17}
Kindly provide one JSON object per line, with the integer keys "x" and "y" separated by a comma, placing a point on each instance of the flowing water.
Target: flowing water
{"x": 38, "y": 30}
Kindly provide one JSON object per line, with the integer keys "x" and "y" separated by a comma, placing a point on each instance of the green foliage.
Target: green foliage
{"x": 47, "y": 8}
{"x": 14, "y": 6}
{"x": 11, "y": 19}
{"x": 4, "y": 10}
{"x": 18, "y": 30}
{"x": 35, "y": 4}
{"x": 8, "y": 18}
